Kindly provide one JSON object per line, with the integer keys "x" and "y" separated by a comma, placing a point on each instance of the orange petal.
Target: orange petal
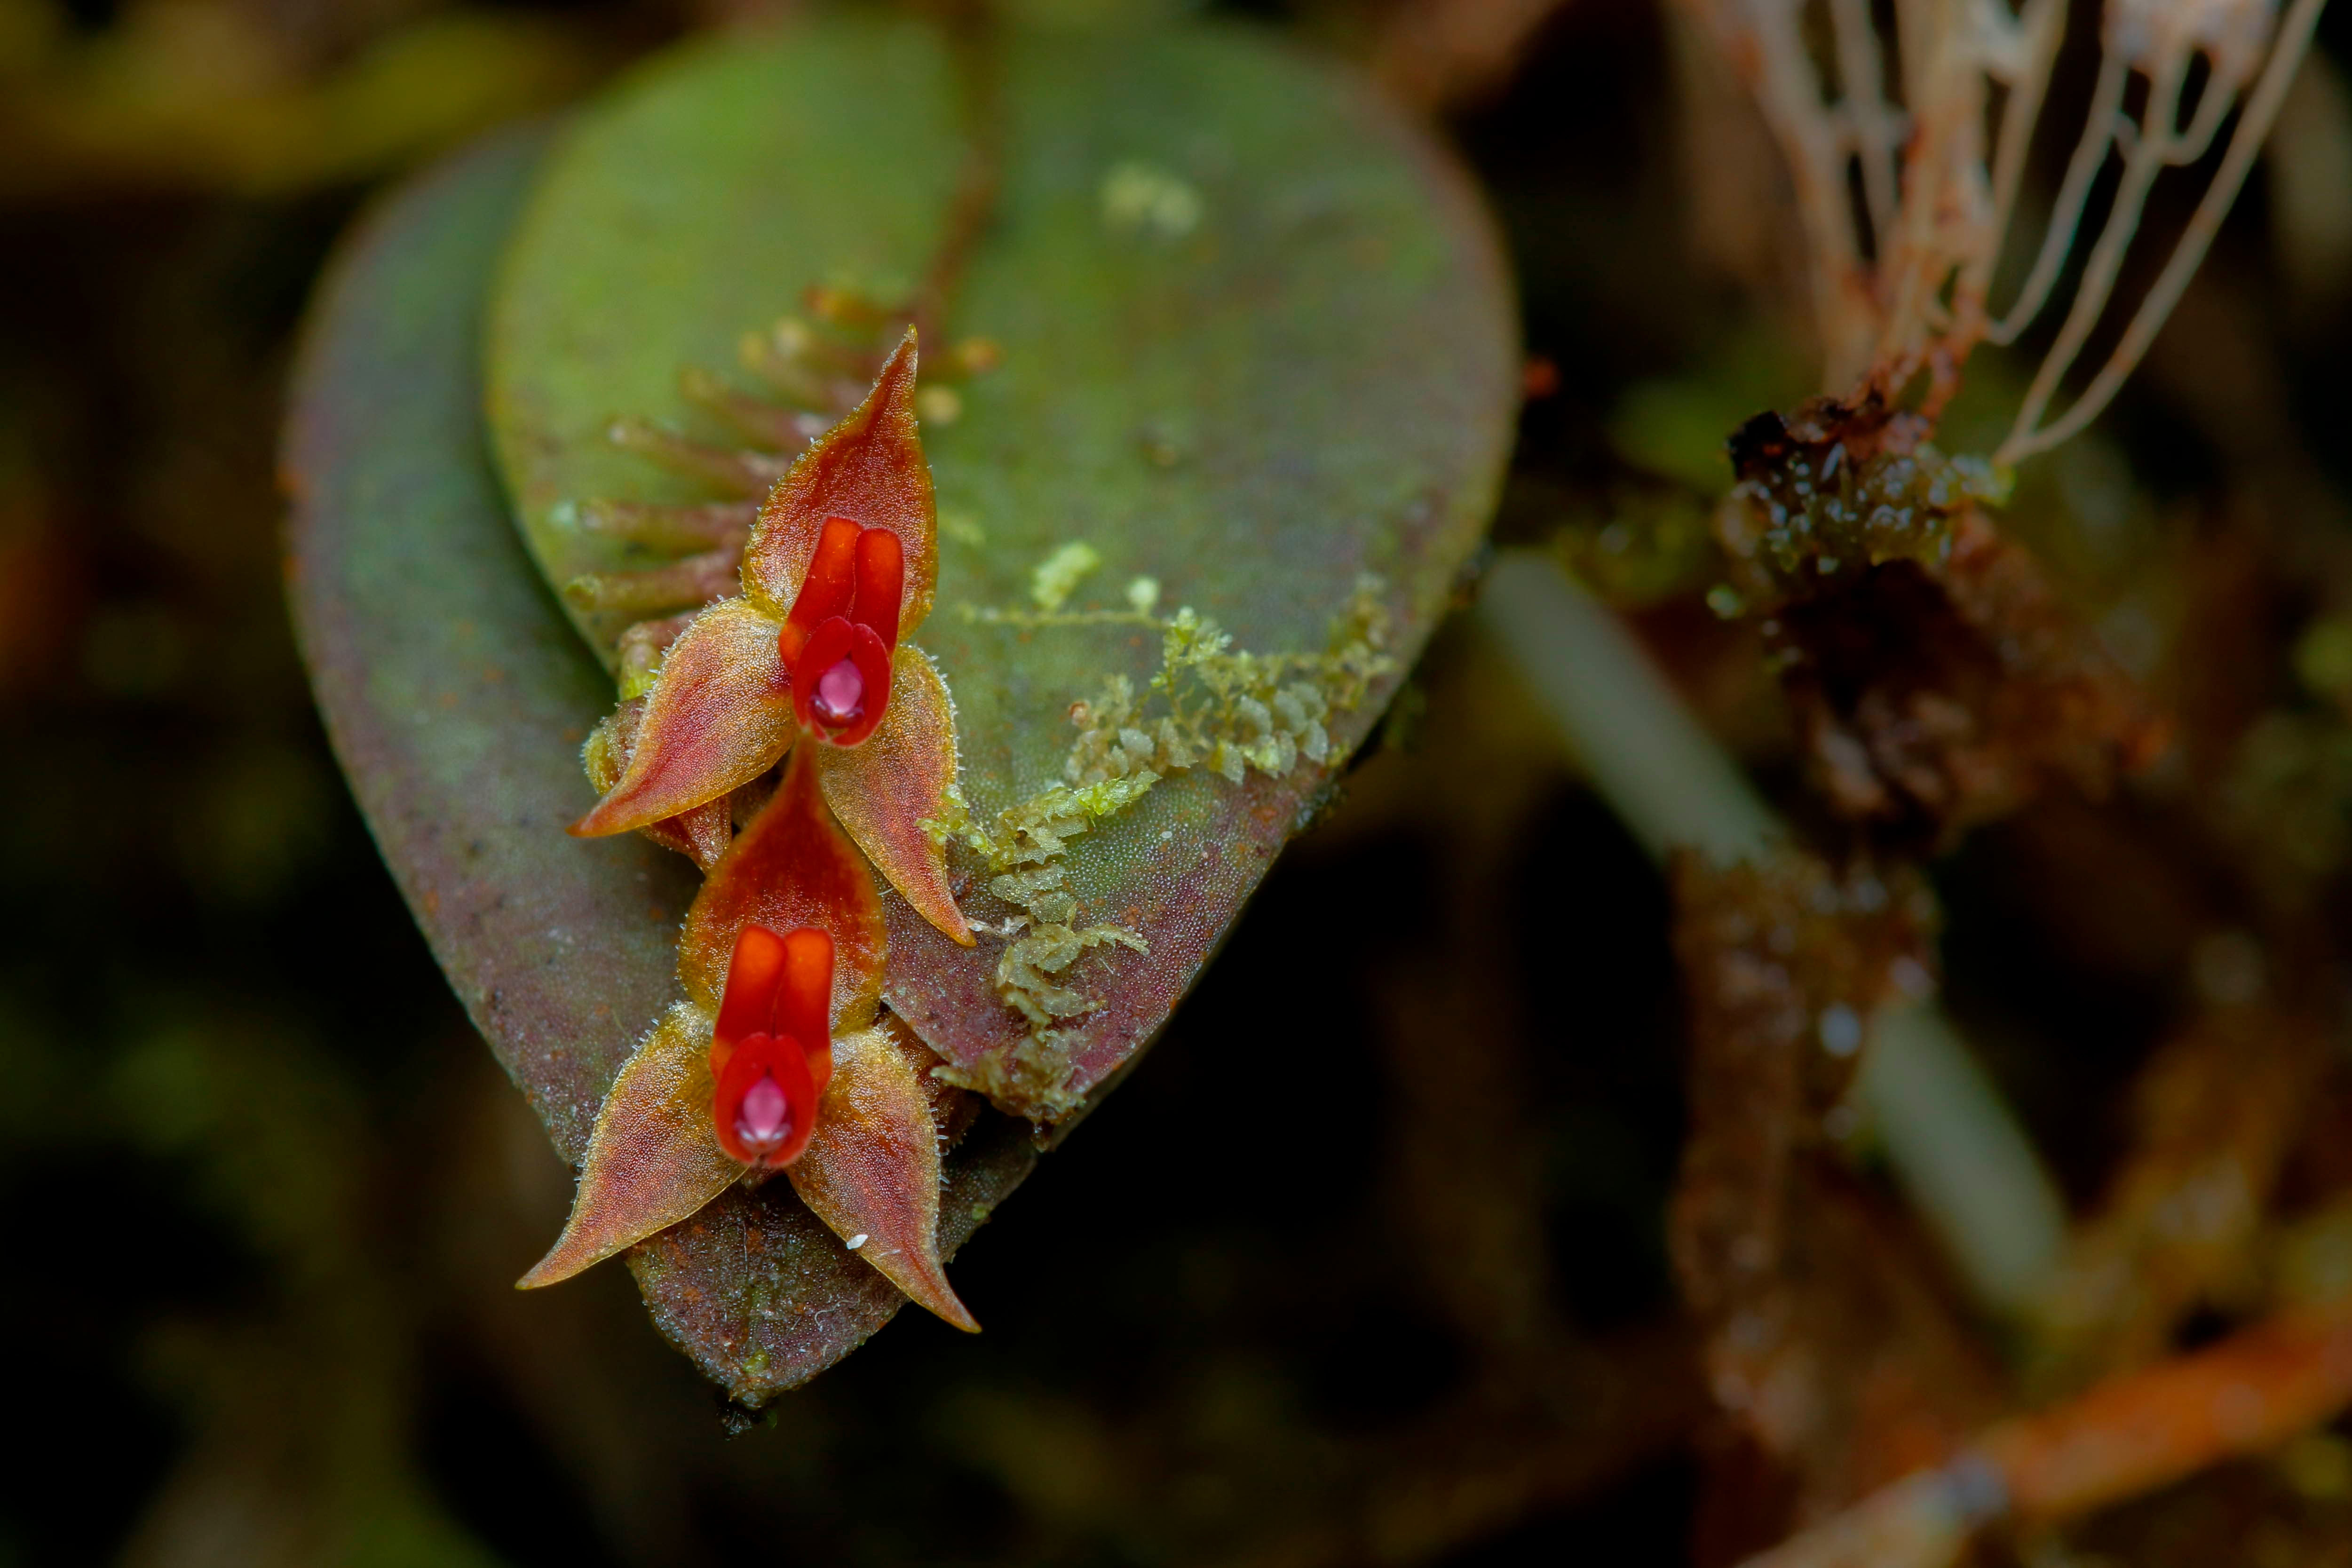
{"x": 872, "y": 1169}
{"x": 653, "y": 1158}
{"x": 882, "y": 791}
{"x": 789, "y": 867}
{"x": 699, "y": 835}
{"x": 868, "y": 468}
{"x": 719, "y": 716}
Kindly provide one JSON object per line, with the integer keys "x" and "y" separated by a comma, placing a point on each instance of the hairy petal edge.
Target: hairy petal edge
{"x": 653, "y": 1159}
{"x": 872, "y": 1170}
{"x": 719, "y": 715}
{"x": 882, "y": 791}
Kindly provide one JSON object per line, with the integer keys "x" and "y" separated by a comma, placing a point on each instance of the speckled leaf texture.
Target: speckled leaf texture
{"x": 1311, "y": 379}
{"x": 1306, "y": 375}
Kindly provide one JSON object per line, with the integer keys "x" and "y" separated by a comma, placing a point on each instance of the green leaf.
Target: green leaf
{"x": 456, "y": 697}
{"x": 1257, "y": 343}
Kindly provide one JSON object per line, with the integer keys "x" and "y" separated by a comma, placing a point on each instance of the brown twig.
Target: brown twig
{"x": 2127, "y": 1437}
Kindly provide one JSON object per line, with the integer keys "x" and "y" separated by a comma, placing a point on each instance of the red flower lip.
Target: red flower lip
{"x": 836, "y": 643}
{"x": 765, "y": 1108}
{"x": 771, "y": 1050}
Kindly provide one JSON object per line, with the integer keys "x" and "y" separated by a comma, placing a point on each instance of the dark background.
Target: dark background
{"x": 266, "y": 1192}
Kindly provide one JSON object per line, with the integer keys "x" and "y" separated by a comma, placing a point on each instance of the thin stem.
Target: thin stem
{"x": 1874, "y": 125}
{"x": 1789, "y": 93}
{"x": 1649, "y": 759}
{"x": 2090, "y": 155}
{"x": 981, "y": 180}
{"x": 2254, "y": 126}
{"x": 2043, "y": 26}
{"x": 2213, "y": 107}
{"x": 1943, "y": 193}
{"x": 2142, "y": 163}
{"x": 2128, "y": 1436}
{"x": 1953, "y": 1145}
{"x": 1963, "y": 1161}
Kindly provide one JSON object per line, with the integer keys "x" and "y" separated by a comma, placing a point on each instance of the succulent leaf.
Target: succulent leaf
{"x": 1295, "y": 366}
{"x": 1239, "y": 402}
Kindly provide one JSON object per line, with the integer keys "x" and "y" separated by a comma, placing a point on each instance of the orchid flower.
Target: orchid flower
{"x": 772, "y": 1045}
{"x": 778, "y": 1059}
{"x": 840, "y": 566}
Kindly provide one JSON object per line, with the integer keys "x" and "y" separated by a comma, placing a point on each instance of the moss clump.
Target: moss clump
{"x": 1229, "y": 711}
{"x": 1023, "y": 851}
{"x": 1209, "y": 705}
{"x": 1058, "y": 576}
{"x": 1832, "y": 490}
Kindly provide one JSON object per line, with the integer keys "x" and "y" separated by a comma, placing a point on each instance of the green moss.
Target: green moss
{"x": 1209, "y": 705}
{"x": 1058, "y": 576}
{"x": 1832, "y": 492}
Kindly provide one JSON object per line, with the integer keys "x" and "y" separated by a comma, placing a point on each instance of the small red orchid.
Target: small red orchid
{"x": 840, "y": 567}
{"x": 835, "y": 644}
{"x": 779, "y": 1058}
{"x": 771, "y": 1046}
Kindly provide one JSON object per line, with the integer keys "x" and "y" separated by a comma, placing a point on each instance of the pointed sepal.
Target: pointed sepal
{"x": 883, "y": 791}
{"x": 700, "y": 835}
{"x": 869, "y": 469}
{"x": 872, "y": 1171}
{"x": 652, "y": 1157}
{"x": 791, "y": 866}
{"x": 719, "y": 716}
